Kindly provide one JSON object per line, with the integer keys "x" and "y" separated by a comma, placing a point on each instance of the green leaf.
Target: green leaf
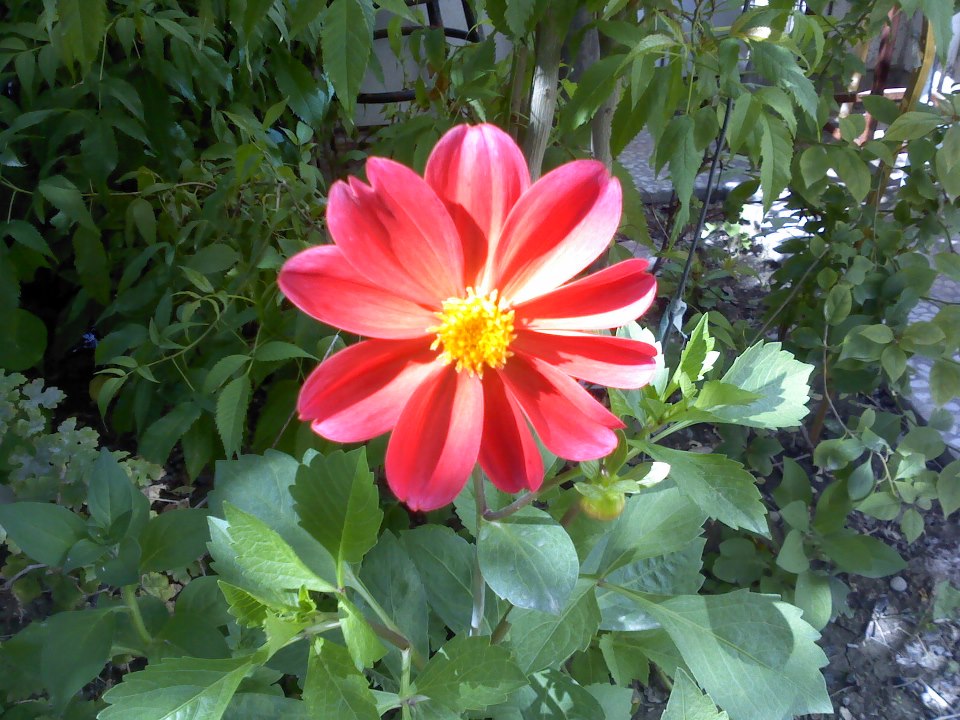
{"x": 714, "y": 394}
{"x": 158, "y": 441}
{"x": 913, "y": 125}
{"x": 776, "y": 150}
{"x": 279, "y": 350}
{"x": 558, "y": 696}
{"x": 112, "y": 494}
{"x": 541, "y": 640}
{"x": 754, "y": 654}
{"x": 338, "y": 503}
{"x": 684, "y": 158}
{"x": 65, "y": 197}
{"x": 76, "y": 647}
{"x": 81, "y": 28}
{"x": 260, "y": 485}
{"x": 814, "y": 597}
{"x": 308, "y": 97}
{"x": 814, "y": 164}
{"x": 362, "y": 642}
{"x": 27, "y": 235}
{"x": 852, "y": 170}
{"x": 677, "y": 573}
{"x": 528, "y": 560}
{"x": 45, "y": 532}
{"x": 687, "y": 702}
{"x": 940, "y": 15}
{"x": 392, "y": 578}
{"x": 468, "y": 673}
{"x": 346, "y": 39}
{"x": 792, "y": 556}
{"x": 655, "y": 522}
{"x": 254, "y": 13}
{"x": 99, "y": 148}
{"x": 173, "y": 540}
{"x": 177, "y": 689}
{"x": 92, "y": 264}
{"x": 24, "y": 340}
{"x": 593, "y": 88}
{"x": 944, "y": 381}
{"x": 718, "y": 485}
{"x": 221, "y": 370}
{"x": 836, "y": 453}
{"x": 232, "y": 413}
{"x": 334, "y": 688}
{"x": 447, "y": 559}
{"x": 779, "y": 379}
{"x": 696, "y": 359}
{"x": 265, "y": 558}
{"x": 894, "y": 361}
{"x": 948, "y": 488}
{"x": 258, "y": 706}
{"x": 862, "y": 554}
{"x": 839, "y": 302}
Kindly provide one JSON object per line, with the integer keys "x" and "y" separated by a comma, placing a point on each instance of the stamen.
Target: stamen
{"x": 475, "y": 332}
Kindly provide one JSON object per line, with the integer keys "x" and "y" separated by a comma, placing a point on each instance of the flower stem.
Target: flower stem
{"x": 479, "y": 586}
{"x": 129, "y": 595}
{"x": 529, "y": 497}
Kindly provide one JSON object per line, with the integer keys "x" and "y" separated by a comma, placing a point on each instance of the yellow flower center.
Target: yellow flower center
{"x": 475, "y": 331}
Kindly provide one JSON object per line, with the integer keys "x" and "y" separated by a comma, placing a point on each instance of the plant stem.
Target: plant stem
{"x": 389, "y": 630}
{"x": 479, "y": 586}
{"x": 529, "y": 497}
{"x": 129, "y": 595}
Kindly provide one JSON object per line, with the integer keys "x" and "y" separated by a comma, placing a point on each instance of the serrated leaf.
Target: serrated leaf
{"x": 157, "y": 442}
{"x": 655, "y": 522}
{"x": 362, "y": 642}
{"x": 260, "y": 485}
{"x": 718, "y": 485}
{"x": 852, "y": 170}
{"x": 776, "y": 151}
{"x": 754, "y": 654}
{"x": 687, "y": 702}
{"x": 265, "y": 559}
{"x": 27, "y": 235}
{"x": 279, "y": 350}
{"x": 232, "y": 413}
{"x": 528, "y": 560}
{"x": 338, "y": 504}
{"x": 541, "y": 640}
{"x": 44, "y": 531}
{"x": 779, "y": 379}
{"x": 65, "y": 197}
{"x": 308, "y": 96}
{"x": 346, "y": 39}
{"x": 556, "y": 696}
{"x": 176, "y": 689}
{"x": 468, "y": 673}
{"x": 697, "y": 357}
{"x": 221, "y": 370}
{"x": 81, "y": 29}
{"x": 334, "y": 688}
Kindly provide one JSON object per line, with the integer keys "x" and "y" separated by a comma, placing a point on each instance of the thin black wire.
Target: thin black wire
{"x": 667, "y": 326}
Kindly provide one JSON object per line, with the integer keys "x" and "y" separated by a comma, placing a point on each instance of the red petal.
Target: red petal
{"x": 566, "y": 417}
{"x": 359, "y": 393}
{"x": 479, "y": 173}
{"x": 397, "y": 233}
{"x": 606, "y": 299}
{"x": 324, "y": 285}
{"x": 611, "y": 361}
{"x": 557, "y": 228}
{"x": 508, "y": 454}
{"x": 435, "y": 444}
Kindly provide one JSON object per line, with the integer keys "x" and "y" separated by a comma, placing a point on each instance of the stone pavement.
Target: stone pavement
{"x": 777, "y": 226}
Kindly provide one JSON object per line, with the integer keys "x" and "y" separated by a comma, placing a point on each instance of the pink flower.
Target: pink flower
{"x": 462, "y": 281}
